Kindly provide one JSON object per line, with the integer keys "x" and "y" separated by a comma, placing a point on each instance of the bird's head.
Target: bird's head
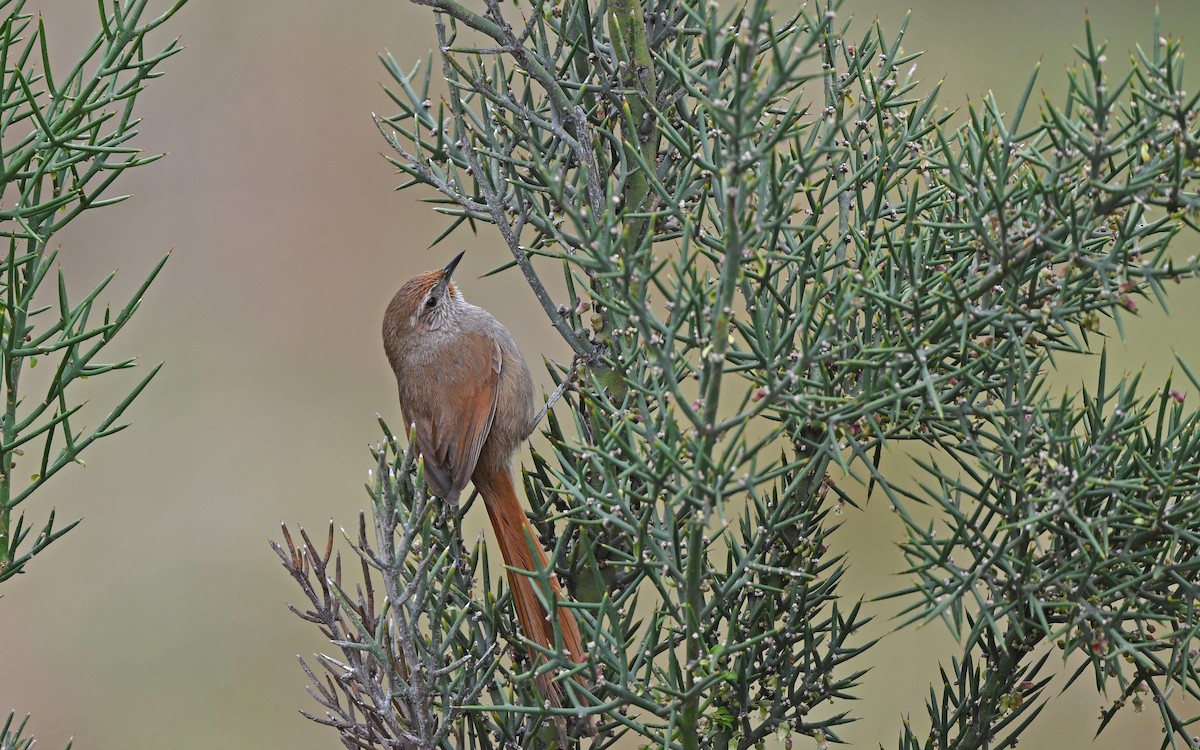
{"x": 427, "y": 301}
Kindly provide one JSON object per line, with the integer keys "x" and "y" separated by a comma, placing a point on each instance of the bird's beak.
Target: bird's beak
{"x": 449, "y": 270}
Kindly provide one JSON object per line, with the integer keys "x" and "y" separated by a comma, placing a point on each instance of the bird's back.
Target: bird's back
{"x": 514, "y": 395}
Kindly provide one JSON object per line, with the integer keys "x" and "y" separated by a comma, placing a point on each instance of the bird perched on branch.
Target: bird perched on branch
{"x": 466, "y": 391}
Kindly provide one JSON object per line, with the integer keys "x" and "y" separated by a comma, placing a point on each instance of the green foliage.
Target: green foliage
{"x": 64, "y": 140}
{"x": 781, "y": 261}
{"x": 417, "y": 661}
{"x": 10, "y": 735}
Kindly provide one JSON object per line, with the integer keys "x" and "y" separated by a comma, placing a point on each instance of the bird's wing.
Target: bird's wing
{"x": 451, "y": 430}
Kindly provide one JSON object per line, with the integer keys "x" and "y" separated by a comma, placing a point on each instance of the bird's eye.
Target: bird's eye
{"x": 431, "y": 302}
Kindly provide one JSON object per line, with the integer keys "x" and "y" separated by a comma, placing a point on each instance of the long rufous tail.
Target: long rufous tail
{"x": 518, "y": 543}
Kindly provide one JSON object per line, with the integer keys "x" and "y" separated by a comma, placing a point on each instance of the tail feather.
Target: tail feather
{"x": 519, "y": 546}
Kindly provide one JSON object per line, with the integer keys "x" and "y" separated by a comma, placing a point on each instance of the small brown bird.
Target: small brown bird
{"x": 466, "y": 388}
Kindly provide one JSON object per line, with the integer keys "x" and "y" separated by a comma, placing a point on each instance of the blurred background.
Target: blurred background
{"x": 160, "y": 620}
